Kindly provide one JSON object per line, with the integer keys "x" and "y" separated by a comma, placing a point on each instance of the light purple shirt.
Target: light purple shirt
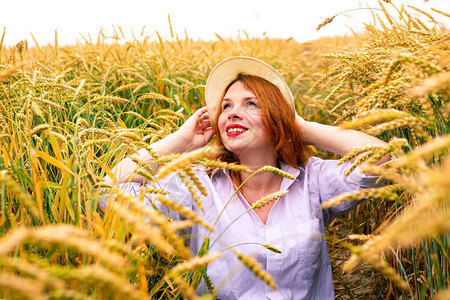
{"x": 295, "y": 226}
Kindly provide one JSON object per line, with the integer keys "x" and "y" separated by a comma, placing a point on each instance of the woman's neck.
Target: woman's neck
{"x": 262, "y": 179}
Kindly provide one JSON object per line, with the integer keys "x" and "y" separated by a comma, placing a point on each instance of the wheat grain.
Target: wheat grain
{"x": 95, "y": 131}
{"x": 70, "y": 237}
{"x": 108, "y": 99}
{"x": 102, "y": 277}
{"x": 179, "y": 225}
{"x": 126, "y": 87}
{"x": 185, "y": 289}
{"x": 4, "y": 74}
{"x": 38, "y": 129}
{"x": 155, "y": 191}
{"x": 156, "y": 96}
{"x": 436, "y": 146}
{"x": 325, "y": 22}
{"x": 360, "y": 237}
{"x": 422, "y": 12}
{"x": 185, "y": 160}
{"x": 25, "y": 287}
{"x": 14, "y": 187}
{"x": 147, "y": 232}
{"x": 32, "y": 270}
{"x": 223, "y": 165}
{"x": 172, "y": 114}
{"x": 57, "y": 135}
{"x": 151, "y": 234}
{"x": 131, "y": 135}
{"x": 358, "y": 151}
{"x": 52, "y": 104}
{"x": 96, "y": 142}
{"x": 441, "y": 12}
{"x": 359, "y": 160}
{"x": 183, "y": 211}
{"x": 378, "y": 263}
{"x": 82, "y": 122}
{"x": 275, "y": 171}
{"x": 269, "y": 198}
{"x": 407, "y": 121}
{"x": 438, "y": 81}
{"x": 256, "y": 269}
{"x": 443, "y": 295}
{"x": 12, "y": 240}
{"x": 209, "y": 285}
{"x": 387, "y": 193}
{"x": 374, "y": 116}
{"x": 193, "y": 177}
{"x": 273, "y": 249}
{"x": 196, "y": 262}
{"x": 387, "y": 15}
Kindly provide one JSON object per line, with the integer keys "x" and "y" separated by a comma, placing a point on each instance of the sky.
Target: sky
{"x": 200, "y": 19}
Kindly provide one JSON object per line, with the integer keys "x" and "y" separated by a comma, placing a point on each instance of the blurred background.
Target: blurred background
{"x": 199, "y": 19}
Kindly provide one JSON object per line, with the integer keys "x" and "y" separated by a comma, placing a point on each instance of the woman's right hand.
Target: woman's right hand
{"x": 195, "y": 132}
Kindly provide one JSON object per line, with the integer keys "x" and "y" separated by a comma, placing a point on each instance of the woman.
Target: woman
{"x": 250, "y": 110}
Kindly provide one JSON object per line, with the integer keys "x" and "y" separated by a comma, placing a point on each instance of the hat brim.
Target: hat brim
{"x": 228, "y": 69}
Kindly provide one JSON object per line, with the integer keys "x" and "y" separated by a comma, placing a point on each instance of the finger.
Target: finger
{"x": 201, "y": 111}
{"x": 204, "y": 117}
{"x": 208, "y": 133}
{"x": 205, "y": 124}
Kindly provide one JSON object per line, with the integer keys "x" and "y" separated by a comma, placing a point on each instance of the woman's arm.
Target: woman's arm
{"x": 193, "y": 134}
{"x": 335, "y": 139}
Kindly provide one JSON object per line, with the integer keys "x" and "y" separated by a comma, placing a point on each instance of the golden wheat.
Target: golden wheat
{"x": 269, "y": 198}
{"x": 256, "y": 269}
{"x": 183, "y": 211}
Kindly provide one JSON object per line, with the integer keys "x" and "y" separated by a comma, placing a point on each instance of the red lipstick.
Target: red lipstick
{"x": 235, "y": 130}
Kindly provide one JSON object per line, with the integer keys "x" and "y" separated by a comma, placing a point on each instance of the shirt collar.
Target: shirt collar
{"x": 283, "y": 166}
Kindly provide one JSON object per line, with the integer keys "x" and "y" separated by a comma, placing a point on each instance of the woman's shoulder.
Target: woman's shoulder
{"x": 314, "y": 162}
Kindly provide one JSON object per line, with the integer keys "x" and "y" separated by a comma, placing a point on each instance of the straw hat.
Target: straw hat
{"x": 228, "y": 69}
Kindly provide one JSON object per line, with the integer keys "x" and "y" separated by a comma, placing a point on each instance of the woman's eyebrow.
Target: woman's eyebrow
{"x": 245, "y": 98}
{"x": 251, "y": 98}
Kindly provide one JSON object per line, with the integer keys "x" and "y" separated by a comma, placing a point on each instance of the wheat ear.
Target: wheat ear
{"x": 255, "y": 267}
{"x": 273, "y": 249}
{"x": 387, "y": 192}
{"x": 275, "y": 171}
{"x": 269, "y": 198}
{"x": 100, "y": 276}
{"x": 147, "y": 232}
{"x": 30, "y": 288}
{"x": 196, "y": 262}
{"x": 183, "y": 211}
{"x": 185, "y": 160}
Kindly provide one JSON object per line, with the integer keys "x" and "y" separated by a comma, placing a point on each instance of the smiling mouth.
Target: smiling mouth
{"x": 235, "y": 130}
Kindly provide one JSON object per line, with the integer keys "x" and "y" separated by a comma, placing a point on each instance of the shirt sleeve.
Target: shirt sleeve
{"x": 172, "y": 184}
{"x": 332, "y": 182}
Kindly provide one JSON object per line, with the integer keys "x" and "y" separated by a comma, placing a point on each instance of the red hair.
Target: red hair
{"x": 279, "y": 121}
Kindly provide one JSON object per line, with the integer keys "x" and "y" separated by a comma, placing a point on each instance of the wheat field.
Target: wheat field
{"x": 70, "y": 113}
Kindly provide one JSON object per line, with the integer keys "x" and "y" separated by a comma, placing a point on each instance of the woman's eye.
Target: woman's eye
{"x": 252, "y": 104}
{"x": 226, "y": 106}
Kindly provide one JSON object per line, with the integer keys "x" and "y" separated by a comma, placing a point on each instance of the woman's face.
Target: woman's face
{"x": 240, "y": 123}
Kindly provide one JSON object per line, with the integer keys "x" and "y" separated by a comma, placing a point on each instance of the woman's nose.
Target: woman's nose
{"x": 235, "y": 114}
